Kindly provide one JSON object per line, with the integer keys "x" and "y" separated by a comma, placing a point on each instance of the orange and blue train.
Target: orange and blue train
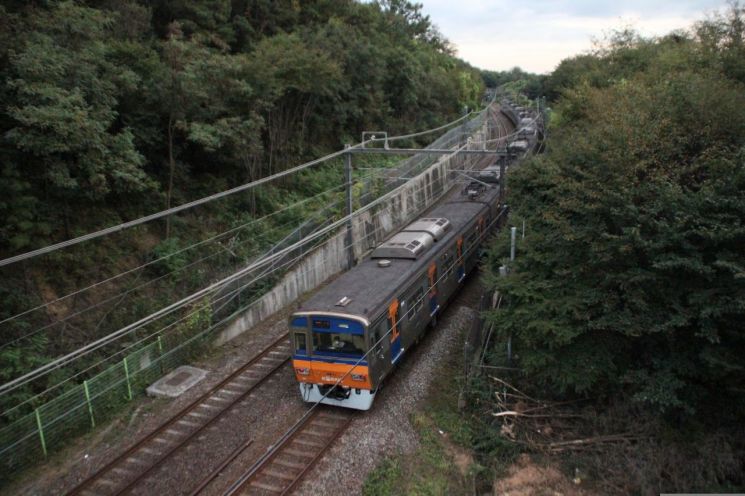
{"x": 349, "y": 336}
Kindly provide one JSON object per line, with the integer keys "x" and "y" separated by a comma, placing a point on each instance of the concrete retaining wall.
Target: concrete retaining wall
{"x": 369, "y": 229}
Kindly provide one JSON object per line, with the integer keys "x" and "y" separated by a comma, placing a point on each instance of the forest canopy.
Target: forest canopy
{"x": 124, "y": 107}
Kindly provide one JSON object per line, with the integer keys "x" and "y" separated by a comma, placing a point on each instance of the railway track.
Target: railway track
{"x": 139, "y": 461}
{"x": 282, "y": 467}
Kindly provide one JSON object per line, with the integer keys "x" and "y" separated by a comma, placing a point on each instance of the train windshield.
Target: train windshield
{"x": 338, "y": 344}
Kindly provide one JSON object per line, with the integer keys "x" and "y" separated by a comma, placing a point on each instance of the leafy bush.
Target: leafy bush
{"x": 632, "y": 276}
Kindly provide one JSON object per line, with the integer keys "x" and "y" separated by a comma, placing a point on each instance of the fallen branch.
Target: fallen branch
{"x": 520, "y": 393}
{"x": 511, "y": 413}
{"x": 594, "y": 440}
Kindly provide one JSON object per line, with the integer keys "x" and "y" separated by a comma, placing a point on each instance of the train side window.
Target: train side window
{"x": 403, "y": 312}
{"x": 447, "y": 262}
{"x": 300, "y": 344}
{"x": 377, "y": 342}
{"x": 417, "y": 301}
{"x": 471, "y": 240}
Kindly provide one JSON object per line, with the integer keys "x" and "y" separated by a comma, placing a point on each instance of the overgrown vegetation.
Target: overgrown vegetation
{"x": 628, "y": 286}
{"x": 431, "y": 468}
{"x": 117, "y": 109}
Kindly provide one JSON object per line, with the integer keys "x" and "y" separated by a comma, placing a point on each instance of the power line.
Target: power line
{"x": 213, "y": 254}
{"x": 229, "y": 295}
{"x": 201, "y": 201}
{"x": 182, "y": 250}
{"x": 68, "y": 358}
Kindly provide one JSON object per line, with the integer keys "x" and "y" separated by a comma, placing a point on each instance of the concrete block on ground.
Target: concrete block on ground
{"x": 176, "y": 382}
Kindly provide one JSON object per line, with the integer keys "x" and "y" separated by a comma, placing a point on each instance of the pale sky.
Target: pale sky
{"x": 537, "y": 35}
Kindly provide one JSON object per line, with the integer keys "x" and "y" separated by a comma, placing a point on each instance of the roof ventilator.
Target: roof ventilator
{"x": 407, "y": 245}
{"x": 434, "y": 226}
{"x": 413, "y": 240}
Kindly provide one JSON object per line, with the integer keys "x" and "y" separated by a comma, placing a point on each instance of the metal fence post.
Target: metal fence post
{"x": 160, "y": 352}
{"x": 41, "y": 433}
{"x": 90, "y": 405}
{"x": 126, "y": 374}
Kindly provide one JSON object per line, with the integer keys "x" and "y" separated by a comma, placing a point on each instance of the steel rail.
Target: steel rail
{"x": 312, "y": 451}
{"x": 218, "y": 470}
{"x": 162, "y": 428}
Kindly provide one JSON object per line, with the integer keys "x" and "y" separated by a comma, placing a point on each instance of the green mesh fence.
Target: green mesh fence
{"x": 34, "y": 436}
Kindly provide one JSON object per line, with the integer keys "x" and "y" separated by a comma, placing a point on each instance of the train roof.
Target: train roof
{"x": 370, "y": 287}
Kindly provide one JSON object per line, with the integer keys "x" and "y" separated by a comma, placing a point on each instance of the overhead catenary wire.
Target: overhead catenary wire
{"x": 59, "y": 362}
{"x": 182, "y": 250}
{"x": 120, "y": 352}
{"x": 421, "y": 133}
{"x": 165, "y": 257}
{"x": 416, "y": 164}
{"x": 231, "y": 294}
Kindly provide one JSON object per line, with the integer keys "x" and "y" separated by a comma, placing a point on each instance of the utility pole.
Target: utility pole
{"x": 502, "y": 179}
{"x": 513, "y": 242}
{"x": 348, "y": 189}
{"x": 513, "y": 236}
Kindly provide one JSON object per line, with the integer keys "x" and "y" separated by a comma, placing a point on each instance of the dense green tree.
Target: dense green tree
{"x": 630, "y": 278}
{"x": 63, "y": 124}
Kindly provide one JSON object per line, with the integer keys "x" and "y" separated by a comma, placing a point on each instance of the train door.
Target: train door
{"x": 379, "y": 343}
{"x": 395, "y": 326}
{"x": 432, "y": 276}
{"x": 446, "y": 285}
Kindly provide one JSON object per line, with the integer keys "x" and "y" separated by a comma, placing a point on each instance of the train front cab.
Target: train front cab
{"x": 328, "y": 348}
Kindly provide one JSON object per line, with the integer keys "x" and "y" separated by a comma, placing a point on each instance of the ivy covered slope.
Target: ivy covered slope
{"x": 118, "y": 108}
{"x": 631, "y": 277}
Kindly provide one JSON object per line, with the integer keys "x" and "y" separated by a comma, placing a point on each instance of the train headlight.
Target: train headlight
{"x": 302, "y": 371}
{"x": 358, "y": 377}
